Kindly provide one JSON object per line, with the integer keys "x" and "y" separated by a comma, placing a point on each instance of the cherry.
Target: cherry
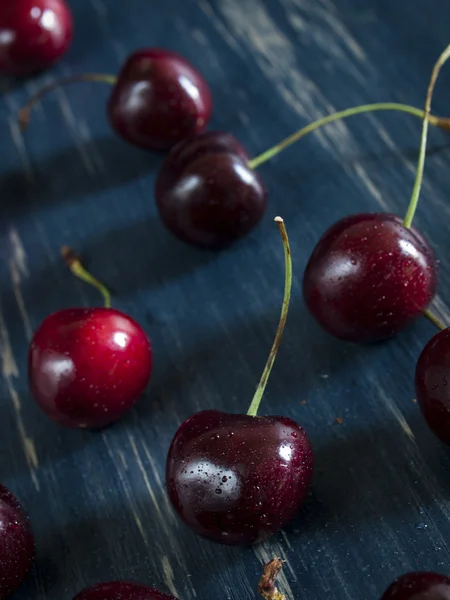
{"x": 206, "y": 193}
{"x": 88, "y": 366}
{"x": 237, "y": 478}
{"x": 16, "y": 543}
{"x": 122, "y": 590}
{"x": 431, "y": 382}
{"x": 157, "y": 100}
{"x": 419, "y": 586}
{"x": 34, "y": 34}
{"x": 369, "y": 277}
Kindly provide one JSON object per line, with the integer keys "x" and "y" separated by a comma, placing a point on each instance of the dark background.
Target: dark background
{"x": 380, "y": 501}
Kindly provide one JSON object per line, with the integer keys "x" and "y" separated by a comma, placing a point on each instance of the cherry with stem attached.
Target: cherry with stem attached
{"x": 371, "y": 275}
{"x": 237, "y": 478}
{"x": 158, "y": 99}
{"x": 35, "y": 34}
{"x": 208, "y": 193}
{"x": 87, "y": 367}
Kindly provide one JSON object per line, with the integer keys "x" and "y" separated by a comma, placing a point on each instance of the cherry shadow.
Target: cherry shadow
{"x": 63, "y": 177}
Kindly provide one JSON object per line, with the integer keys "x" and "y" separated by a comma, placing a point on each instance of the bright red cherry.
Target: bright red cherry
{"x": 419, "y": 586}
{"x": 122, "y": 590}
{"x": 369, "y": 277}
{"x": 88, "y": 366}
{"x": 206, "y": 193}
{"x": 433, "y": 384}
{"x": 234, "y": 478}
{"x": 16, "y": 543}
{"x": 33, "y": 34}
{"x": 159, "y": 99}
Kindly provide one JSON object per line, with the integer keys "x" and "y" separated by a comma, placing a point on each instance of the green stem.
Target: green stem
{"x": 434, "y": 319}
{"x": 24, "y": 113}
{"x": 423, "y": 140}
{"x": 74, "y": 264}
{"x": 349, "y": 112}
{"x": 254, "y": 406}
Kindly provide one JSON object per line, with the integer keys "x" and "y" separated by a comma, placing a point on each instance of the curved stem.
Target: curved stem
{"x": 423, "y": 140}
{"x": 349, "y": 112}
{"x": 267, "y": 584}
{"x": 434, "y": 319}
{"x": 74, "y": 264}
{"x": 24, "y": 113}
{"x": 254, "y": 406}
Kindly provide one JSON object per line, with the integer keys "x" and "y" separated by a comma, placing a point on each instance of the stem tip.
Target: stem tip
{"x": 266, "y": 587}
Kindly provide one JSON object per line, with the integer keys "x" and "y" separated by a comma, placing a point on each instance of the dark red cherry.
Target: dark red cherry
{"x": 88, "y": 366}
{"x": 122, "y": 590}
{"x": 206, "y": 193}
{"x": 236, "y": 479}
{"x": 33, "y": 34}
{"x": 419, "y": 586}
{"x": 369, "y": 277}
{"x": 16, "y": 543}
{"x": 159, "y": 99}
{"x": 433, "y": 384}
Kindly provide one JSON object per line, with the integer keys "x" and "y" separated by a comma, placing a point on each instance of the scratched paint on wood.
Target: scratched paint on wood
{"x": 379, "y": 504}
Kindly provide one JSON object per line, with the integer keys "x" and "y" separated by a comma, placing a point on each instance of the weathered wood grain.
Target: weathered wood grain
{"x": 380, "y": 503}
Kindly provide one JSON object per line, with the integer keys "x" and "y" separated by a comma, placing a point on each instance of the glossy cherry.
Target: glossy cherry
{"x": 206, "y": 193}
{"x": 432, "y": 381}
{"x": 369, "y": 277}
{"x": 159, "y": 99}
{"x": 33, "y": 34}
{"x": 88, "y": 366}
{"x": 419, "y": 586}
{"x": 237, "y": 478}
{"x": 122, "y": 590}
{"x": 16, "y": 543}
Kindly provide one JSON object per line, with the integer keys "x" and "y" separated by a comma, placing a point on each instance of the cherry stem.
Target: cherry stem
{"x": 254, "y": 406}
{"x": 24, "y": 113}
{"x": 434, "y": 319}
{"x": 407, "y": 222}
{"x": 266, "y": 586}
{"x": 74, "y": 263}
{"x": 444, "y": 123}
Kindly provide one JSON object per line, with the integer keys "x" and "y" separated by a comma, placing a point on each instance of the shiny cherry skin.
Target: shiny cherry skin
{"x": 158, "y": 100}
{"x": 236, "y": 479}
{"x": 206, "y": 193}
{"x": 34, "y": 34}
{"x": 419, "y": 586}
{"x": 122, "y": 590}
{"x": 369, "y": 277}
{"x": 16, "y": 543}
{"x": 88, "y": 366}
{"x": 432, "y": 381}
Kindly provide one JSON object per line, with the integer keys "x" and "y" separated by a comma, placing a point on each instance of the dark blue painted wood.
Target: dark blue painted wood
{"x": 380, "y": 503}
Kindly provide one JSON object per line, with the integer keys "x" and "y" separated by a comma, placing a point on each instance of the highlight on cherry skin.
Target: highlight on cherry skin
{"x": 207, "y": 194}
{"x": 16, "y": 543}
{"x": 35, "y": 35}
{"x": 237, "y": 478}
{"x": 419, "y": 585}
{"x": 123, "y": 590}
{"x": 369, "y": 277}
{"x": 158, "y": 99}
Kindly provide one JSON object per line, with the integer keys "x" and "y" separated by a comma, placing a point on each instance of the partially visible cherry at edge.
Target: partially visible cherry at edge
{"x": 206, "y": 192}
{"x": 419, "y": 585}
{"x": 35, "y": 34}
{"x": 16, "y": 543}
{"x": 122, "y": 590}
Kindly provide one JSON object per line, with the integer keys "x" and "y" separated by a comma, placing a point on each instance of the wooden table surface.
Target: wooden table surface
{"x": 380, "y": 501}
